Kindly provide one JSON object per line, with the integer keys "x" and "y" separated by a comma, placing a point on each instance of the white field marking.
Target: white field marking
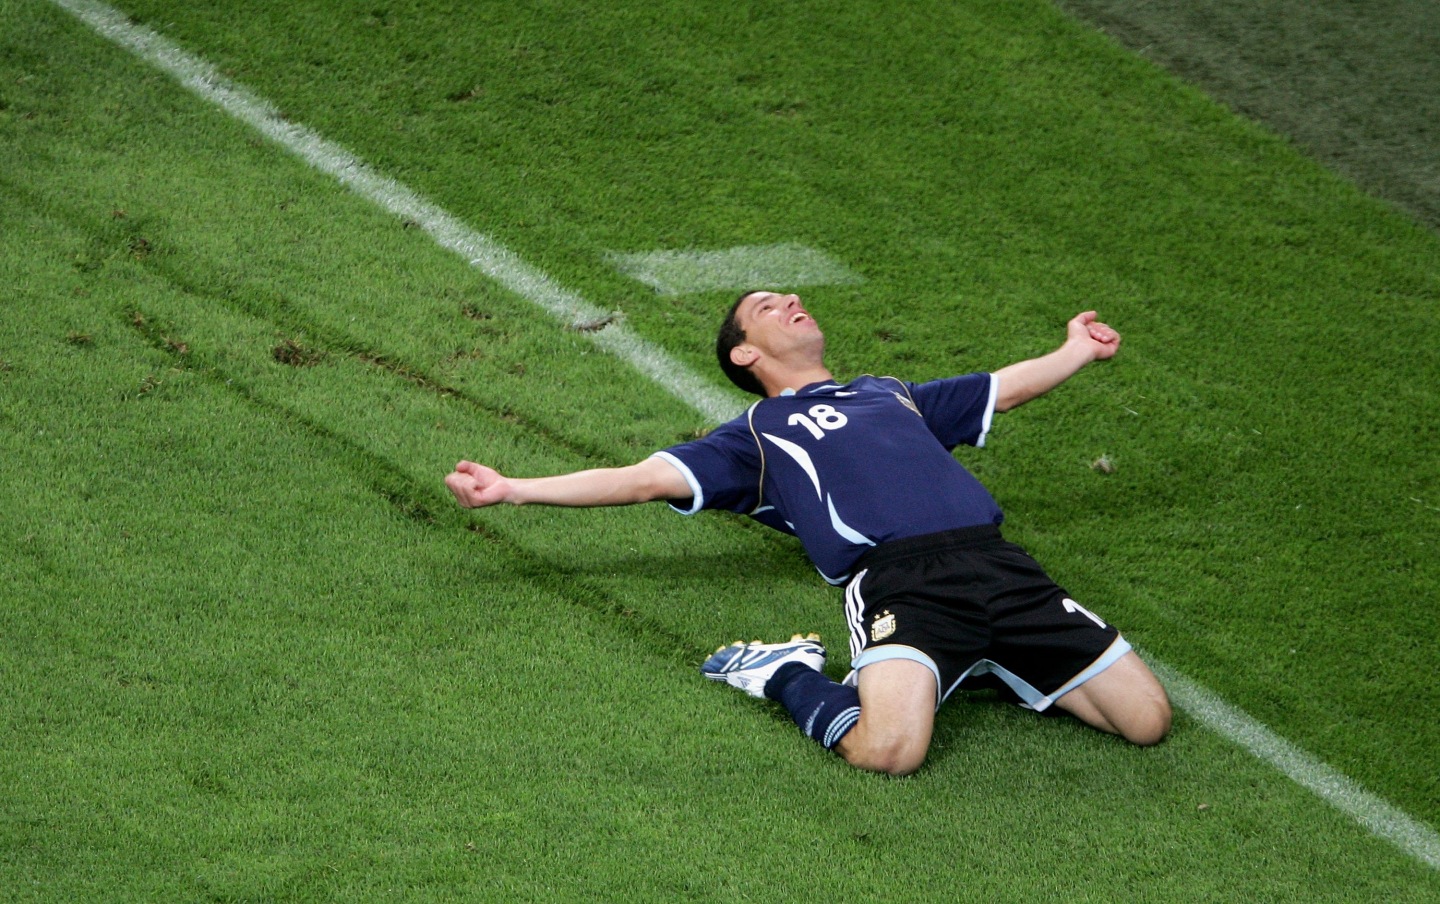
{"x": 1415, "y": 838}
{"x": 481, "y": 251}
{"x": 745, "y": 267}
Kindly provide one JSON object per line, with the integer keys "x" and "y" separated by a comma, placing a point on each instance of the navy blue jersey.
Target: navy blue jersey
{"x": 846, "y": 467}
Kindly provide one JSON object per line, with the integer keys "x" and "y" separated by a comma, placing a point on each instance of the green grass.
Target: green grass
{"x": 253, "y": 652}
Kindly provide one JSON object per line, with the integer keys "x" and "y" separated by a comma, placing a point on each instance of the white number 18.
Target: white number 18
{"x": 822, "y": 418}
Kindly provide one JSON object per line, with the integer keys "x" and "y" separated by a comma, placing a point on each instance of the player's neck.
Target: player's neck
{"x": 796, "y": 379}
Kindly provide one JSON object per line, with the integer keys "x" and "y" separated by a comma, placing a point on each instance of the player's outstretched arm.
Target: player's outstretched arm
{"x": 1086, "y": 340}
{"x": 475, "y": 486}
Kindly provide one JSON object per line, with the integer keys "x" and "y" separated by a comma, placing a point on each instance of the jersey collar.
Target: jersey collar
{"x": 813, "y": 388}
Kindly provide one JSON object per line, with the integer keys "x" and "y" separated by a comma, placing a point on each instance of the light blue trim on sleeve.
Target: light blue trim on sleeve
{"x": 698, "y": 497}
{"x": 989, "y": 411}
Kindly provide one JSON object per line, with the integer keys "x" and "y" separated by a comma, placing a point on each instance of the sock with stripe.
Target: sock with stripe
{"x": 823, "y": 709}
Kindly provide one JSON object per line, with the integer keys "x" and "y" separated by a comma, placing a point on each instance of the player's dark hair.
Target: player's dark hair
{"x": 730, "y": 336}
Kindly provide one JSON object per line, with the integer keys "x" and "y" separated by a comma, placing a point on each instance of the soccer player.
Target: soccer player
{"x": 862, "y": 473}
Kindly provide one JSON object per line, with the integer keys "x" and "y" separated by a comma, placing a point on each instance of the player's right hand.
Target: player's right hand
{"x": 476, "y": 485}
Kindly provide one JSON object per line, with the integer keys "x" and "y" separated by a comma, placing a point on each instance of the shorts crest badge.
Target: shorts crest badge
{"x": 882, "y": 627}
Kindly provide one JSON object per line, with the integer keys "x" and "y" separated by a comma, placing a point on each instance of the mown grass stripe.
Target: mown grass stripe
{"x": 749, "y": 266}
{"x": 483, "y": 252}
{"x": 479, "y": 250}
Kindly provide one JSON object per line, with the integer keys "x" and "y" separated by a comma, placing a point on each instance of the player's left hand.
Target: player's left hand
{"x": 1100, "y": 339}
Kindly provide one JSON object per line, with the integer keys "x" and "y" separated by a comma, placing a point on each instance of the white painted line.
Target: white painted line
{"x": 481, "y": 251}
{"x": 736, "y": 269}
{"x": 1415, "y": 838}
{"x": 1411, "y": 836}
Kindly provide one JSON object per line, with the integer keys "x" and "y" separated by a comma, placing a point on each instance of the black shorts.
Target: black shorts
{"x": 967, "y": 603}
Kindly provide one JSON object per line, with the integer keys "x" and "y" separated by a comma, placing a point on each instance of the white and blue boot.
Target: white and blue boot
{"x": 749, "y": 666}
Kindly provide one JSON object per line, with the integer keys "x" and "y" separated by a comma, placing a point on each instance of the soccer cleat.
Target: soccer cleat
{"x": 749, "y": 666}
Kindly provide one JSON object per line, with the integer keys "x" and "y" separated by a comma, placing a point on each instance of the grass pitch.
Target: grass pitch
{"x": 254, "y": 653}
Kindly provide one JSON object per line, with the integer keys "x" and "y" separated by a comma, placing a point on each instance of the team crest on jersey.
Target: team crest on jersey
{"x": 882, "y": 627}
{"x": 906, "y": 401}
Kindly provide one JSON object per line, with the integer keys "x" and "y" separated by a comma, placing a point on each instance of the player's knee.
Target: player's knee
{"x": 902, "y": 762}
{"x": 893, "y": 756}
{"x": 1150, "y": 724}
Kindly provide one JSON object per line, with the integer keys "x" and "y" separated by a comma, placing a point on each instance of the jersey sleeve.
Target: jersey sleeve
{"x": 722, "y": 468}
{"x": 958, "y": 410}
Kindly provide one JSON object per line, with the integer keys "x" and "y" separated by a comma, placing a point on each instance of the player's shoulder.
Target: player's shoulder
{"x": 734, "y": 441}
{"x": 872, "y": 386}
{"x": 977, "y": 382}
{"x": 874, "y": 381}
{"x": 736, "y": 426}
{"x": 859, "y": 386}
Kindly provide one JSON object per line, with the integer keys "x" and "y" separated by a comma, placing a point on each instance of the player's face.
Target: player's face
{"x": 775, "y": 322}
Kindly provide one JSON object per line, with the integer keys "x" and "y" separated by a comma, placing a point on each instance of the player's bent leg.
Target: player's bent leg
{"x": 1126, "y": 699}
{"x": 790, "y": 673}
{"x": 897, "y": 717}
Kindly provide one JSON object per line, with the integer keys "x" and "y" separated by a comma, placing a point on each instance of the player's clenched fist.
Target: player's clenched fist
{"x": 476, "y": 485}
{"x": 1101, "y": 339}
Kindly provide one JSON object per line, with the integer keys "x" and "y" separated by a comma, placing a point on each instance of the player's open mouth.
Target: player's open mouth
{"x": 799, "y": 317}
